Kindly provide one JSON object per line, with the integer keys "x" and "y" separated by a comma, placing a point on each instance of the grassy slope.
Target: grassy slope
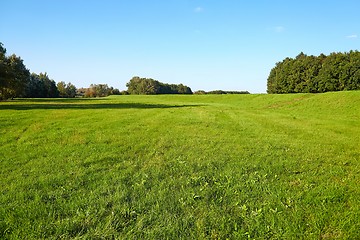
{"x": 221, "y": 166}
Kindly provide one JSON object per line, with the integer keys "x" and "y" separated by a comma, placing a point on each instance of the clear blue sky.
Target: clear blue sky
{"x": 205, "y": 44}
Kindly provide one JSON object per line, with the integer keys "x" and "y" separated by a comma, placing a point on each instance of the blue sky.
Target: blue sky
{"x": 205, "y": 44}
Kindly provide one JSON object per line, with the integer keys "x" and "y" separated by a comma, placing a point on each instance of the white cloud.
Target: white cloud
{"x": 352, "y": 36}
{"x": 198, "y": 9}
{"x": 279, "y": 29}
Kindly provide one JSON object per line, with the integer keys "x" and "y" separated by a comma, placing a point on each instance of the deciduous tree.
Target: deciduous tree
{"x": 336, "y": 72}
{"x": 13, "y": 75}
{"x": 138, "y": 85}
{"x": 66, "y": 90}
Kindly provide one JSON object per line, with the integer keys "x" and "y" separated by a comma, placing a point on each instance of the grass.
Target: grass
{"x": 191, "y": 167}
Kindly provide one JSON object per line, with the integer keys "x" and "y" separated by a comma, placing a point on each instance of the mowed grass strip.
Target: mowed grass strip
{"x": 171, "y": 166}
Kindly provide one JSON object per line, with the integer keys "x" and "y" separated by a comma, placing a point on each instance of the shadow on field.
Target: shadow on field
{"x": 57, "y": 100}
{"x": 68, "y": 105}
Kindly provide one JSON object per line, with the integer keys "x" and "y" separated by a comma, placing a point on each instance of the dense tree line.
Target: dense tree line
{"x": 139, "y": 85}
{"x": 66, "y": 90}
{"x": 13, "y": 75}
{"x": 201, "y": 92}
{"x": 100, "y": 90}
{"x": 316, "y": 74}
{"x": 40, "y": 86}
{"x": 16, "y": 81}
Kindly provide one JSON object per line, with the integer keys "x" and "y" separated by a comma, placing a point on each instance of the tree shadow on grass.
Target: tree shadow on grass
{"x": 67, "y": 105}
{"x": 57, "y": 100}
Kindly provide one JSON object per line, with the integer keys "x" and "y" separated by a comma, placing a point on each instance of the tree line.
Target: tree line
{"x": 13, "y": 75}
{"x": 97, "y": 90}
{"x": 41, "y": 86}
{"x": 202, "y": 92}
{"x": 16, "y": 81}
{"x": 316, "y": 74}
{"x": 149, "y": 86}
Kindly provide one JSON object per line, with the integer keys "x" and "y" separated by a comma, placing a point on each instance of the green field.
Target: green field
{"x": 190, "y": 167}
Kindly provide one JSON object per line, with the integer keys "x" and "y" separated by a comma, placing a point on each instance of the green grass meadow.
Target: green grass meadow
{"x": 181, "y": 167}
